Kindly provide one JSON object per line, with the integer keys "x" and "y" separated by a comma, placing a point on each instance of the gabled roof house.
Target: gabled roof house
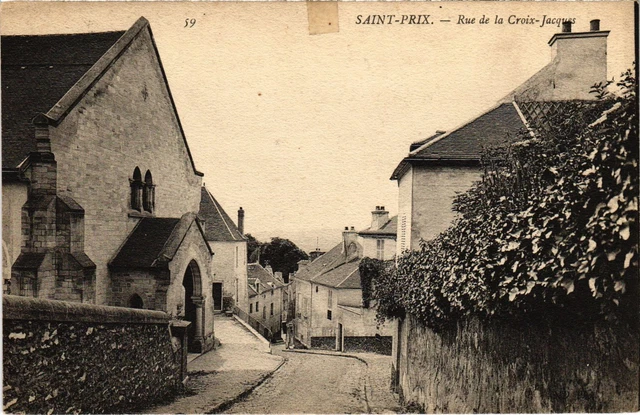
{"x": 330, "y": 313}
{"x": 229, "y": 265}
{"x": 441, "y": 166}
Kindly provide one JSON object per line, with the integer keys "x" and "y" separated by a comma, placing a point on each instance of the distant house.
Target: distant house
{"x": 229, "y": 265}
{"x": 99, "y": 189}
{"x": 266, "y": 299}
{"x": 448, "y": 163}
{"x": 329, "y": 311}
{"x": 315, "y": 254}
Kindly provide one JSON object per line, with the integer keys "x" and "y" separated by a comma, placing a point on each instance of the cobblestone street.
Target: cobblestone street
{"x": 310, "y": 383}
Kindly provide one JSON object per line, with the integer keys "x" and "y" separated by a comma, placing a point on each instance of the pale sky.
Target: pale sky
{"x": 303, "y": 131}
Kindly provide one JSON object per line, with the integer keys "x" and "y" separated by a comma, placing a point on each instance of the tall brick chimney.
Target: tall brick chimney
{"x": 378, "y": 218}
{"x": 241, "y": 220}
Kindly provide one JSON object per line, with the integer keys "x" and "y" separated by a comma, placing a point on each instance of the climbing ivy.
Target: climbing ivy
{"x": 552, "y": 227}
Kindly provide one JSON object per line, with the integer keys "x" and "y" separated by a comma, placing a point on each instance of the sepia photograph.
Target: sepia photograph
{"x": 319, "y": 207}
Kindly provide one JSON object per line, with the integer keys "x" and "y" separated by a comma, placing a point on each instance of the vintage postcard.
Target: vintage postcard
{"x": 319, "y": 207}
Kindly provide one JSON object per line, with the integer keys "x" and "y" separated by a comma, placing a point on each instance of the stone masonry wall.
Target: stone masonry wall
{"x": 126, "y": 120}
{"x": 506, "y": 367}
{"x": 368, "y": 344}
{"x": 61, "y": 357}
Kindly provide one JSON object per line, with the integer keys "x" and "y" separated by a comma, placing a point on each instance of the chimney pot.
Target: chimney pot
{"x": 566, "y": 27}
{"x": 346, "y": 228}
{"x": 352, "y": 228}
{"x": 595, "y": 25}
{"x": 381, "y": 207}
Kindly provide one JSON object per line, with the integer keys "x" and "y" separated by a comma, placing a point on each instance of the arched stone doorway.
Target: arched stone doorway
{"x": 193, "y": 306}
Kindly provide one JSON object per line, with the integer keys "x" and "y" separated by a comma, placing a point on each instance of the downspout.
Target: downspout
{"x": 311, "y": 312}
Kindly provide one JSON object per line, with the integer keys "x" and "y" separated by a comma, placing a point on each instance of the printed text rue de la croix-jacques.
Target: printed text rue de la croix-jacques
{"x": 461, "y": 19}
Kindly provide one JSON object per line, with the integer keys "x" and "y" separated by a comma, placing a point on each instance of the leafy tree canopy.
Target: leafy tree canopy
{"x": 283, "y": 255}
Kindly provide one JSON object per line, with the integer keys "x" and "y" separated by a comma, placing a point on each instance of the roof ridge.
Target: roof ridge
{"x": 61, "y": 108}
{"x": 523, "y": 118}
{"x": 347, "y": 277}
{"x": 449, "y": 132}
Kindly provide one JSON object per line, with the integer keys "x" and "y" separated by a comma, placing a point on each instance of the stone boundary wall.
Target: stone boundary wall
{"x": 323, "y": 343}
{"x": 61, "y": 357}
{"x": 504, "y": 367}
{"x": 368, "y": 344}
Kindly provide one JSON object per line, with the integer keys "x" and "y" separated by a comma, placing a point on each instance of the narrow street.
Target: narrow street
{"x": 309, "y": 383}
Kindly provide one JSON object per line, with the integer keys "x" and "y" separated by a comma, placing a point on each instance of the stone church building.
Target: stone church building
{"x": 100, "y": 193}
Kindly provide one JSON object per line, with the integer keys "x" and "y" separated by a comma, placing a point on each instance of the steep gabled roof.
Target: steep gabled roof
{"x": 333, "y": 269}
{"x": 390, "y": 228}
{"x": 50, "y": 74}
{"x": 37, "y": 71}
{"x": 257, "y": 273}
{"x": 154, "y": 242}
{"x": 464, "y": 144}
{"x": 218, "y": 226}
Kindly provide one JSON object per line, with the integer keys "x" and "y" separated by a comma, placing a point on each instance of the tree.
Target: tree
{"x": 283, "y": 255}
{"x": 253, "y": 248}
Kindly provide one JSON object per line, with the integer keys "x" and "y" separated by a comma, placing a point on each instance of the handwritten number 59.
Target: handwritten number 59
{"x": 189, "y": 23}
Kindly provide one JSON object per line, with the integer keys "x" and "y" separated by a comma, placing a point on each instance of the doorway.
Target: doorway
{"x": 193, "y": 306}
{"x": 340, "y": 339}
{"x": 217, "y": 296}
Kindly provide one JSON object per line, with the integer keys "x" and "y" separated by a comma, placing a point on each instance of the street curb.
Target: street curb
{"x": 366, "y": 380}
{"x": 223, "y": 406}
{"x": 254, "y": 332}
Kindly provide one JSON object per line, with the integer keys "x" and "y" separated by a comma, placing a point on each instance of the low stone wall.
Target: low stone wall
{"x": 505, "y": 367}
{"x": 371, "y": 344}
{"x": 323, "y": 343}
{"x": 61, "y": 357}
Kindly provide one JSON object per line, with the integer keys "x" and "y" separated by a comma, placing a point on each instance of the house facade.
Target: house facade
{"x": 447, "y": 163}
{"x": 329, "y": 311}
{"x": 100, "y": 192}
{"x": 267, "y": 298}
{"x": 229, "y": 264}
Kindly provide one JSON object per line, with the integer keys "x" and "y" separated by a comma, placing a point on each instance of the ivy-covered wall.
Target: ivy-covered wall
{"x": 493, "y": 367}
{"x": 61, "y": 357}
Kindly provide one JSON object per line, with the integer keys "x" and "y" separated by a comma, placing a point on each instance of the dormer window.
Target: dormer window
{"x": 148, "y": 194}
{"x": 136, "y": 190}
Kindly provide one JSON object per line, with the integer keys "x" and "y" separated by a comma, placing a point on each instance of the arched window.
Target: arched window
{"x": 148, "y": 195}
{"x": 135, "y": 301}
{"x": 136, "y": 190}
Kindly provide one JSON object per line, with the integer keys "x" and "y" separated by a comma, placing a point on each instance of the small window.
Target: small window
{"x": 380, "y": 248}
{"x": 250, "y": 308}
{"x": 330, "y": 300}
{"x": 271, "y": 308}
{"x": 257, "y": 306}
{"x": 136, "y": 190}
{"x": 272, "y": 292}
{"x": 264, "y": 312}
{"x": 316, "y": 288}
{"x": 328, "y": 314}
{"x": 148, "y": 194}
{"x": 237, "y": 256}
